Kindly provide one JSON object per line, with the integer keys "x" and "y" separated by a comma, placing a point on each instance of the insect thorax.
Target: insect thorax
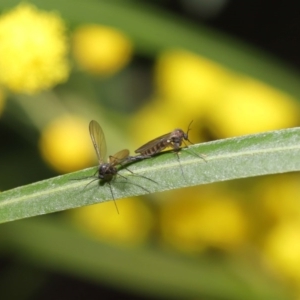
{"x": 176, "y": 138}
{"x": 107, "y": 171}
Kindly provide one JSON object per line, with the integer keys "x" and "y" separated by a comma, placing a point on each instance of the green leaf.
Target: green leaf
{"x": 54, "y": 245}
{"x": 246, "y": 156}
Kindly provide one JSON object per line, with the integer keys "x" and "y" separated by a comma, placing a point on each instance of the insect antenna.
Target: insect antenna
{"x": 189, "y": 128}
{"x": 202, "y": 156}
{"x": 187, "y": 135}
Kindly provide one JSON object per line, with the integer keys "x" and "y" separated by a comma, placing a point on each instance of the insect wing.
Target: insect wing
{"x": 152, "y": 143}
{"x": 119, "y": 157}
{"x": 98, "y": 140}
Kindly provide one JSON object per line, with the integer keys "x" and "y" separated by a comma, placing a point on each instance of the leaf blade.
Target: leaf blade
{"x": 246, "y": 156}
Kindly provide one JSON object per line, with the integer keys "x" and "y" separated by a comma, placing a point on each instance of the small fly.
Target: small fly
{"x": 172, "y": 140}
{"x": 107, "y": 170}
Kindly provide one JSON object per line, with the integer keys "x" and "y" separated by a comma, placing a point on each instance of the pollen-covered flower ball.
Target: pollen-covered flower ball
{"x": 33, "y": 49}
{"x": 65, "y": 144}
{"x": 101, "y": 50}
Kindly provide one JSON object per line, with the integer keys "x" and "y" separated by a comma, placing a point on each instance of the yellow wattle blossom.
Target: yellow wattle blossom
{"x": 101, "y": 221}
{"x": 249, "y": 106}
{"x": 279, "y": 197}
{"x": 189, "y": 82}
{"x": 66, "y": 145}
{"x": 229, "y": 103}
{"x": 151, "y": 122}
{"x": 278, "y": 200}
{"x": 33, "y": 49}
{"x": 282, "y": 250}
{"x": 101, "y": 50}
{"x": 198, "y": 218}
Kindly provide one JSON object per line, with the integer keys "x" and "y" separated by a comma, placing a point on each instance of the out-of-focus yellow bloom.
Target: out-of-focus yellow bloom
{"x": 188, "y": 82}
{"x": 279, "y": 210}
{"x": 250, "y": 106}
{"x": 101, "y": 50}
{"x": 33, "y": 49}
{"x": 197, "y": 218}
{"x": 154, "y": 120}
{"x": 65, "y": 144}
{"x": 151, "y": 122}
{"x": 228, "y": 103}
{"x": 132, "y": 226}
{"x": 279, "y": 197}
{"x": 282, "y": 249}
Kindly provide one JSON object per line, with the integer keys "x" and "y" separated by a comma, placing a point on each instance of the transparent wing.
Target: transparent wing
{"x": 98, "y": 140}
{"x": 152, "y": 143}
{"x": 119, "y": 157}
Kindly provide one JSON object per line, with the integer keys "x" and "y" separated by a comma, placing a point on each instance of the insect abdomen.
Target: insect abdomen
{"x": 156, "y": 148}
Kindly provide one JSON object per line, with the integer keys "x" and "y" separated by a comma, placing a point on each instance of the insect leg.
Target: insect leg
{"x": 131, "y": 159}
{"x": 177, "y": 156}
{"x": 112, "y": 194}
{"x": 202, "y": 156}
{"x": 133, "y": 174}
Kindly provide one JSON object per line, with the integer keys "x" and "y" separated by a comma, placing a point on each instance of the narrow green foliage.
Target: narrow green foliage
{"x": 254, "y": 155}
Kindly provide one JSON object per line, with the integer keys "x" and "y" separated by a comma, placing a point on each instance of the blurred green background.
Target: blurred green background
{"x": 141, "y": 69}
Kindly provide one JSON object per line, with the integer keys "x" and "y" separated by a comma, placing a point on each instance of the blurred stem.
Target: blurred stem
{"x": 53, "y": 244}
{"x": 42, "y": 108}
{"x": 19, "y": 281}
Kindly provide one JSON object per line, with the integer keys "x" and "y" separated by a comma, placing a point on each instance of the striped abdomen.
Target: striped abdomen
{"x": 155, "y": 148}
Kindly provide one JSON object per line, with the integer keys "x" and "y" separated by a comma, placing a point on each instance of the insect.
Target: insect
{"x": 172, "y": 139}
{"x": 108, "y": 170}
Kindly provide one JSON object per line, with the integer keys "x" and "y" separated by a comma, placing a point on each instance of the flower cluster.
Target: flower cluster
{"x": 33, "y": 50}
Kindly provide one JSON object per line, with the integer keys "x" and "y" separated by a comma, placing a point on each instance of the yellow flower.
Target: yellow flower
{"x": 33, "y": 50}
{"x": 65, "y": 144}
{"x": 189, "y": 82}
{"x": 151, "y": 122}
{"x": 197, "y": 218}
{"x": 250, "y": 106}
{"x": 101, "y": 50}
{"x": 279, "y": 197}
{"x": 101, "y": 221}
{"x": 154, "y": 120}
{"x": 229, "y": 103}
{"x": 187, "y": 86}
{"x": 282, "y": 249}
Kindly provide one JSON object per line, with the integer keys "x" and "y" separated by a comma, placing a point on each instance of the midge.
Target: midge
{"x": 108, "y": 170}
{"x": 172, "y": 139}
